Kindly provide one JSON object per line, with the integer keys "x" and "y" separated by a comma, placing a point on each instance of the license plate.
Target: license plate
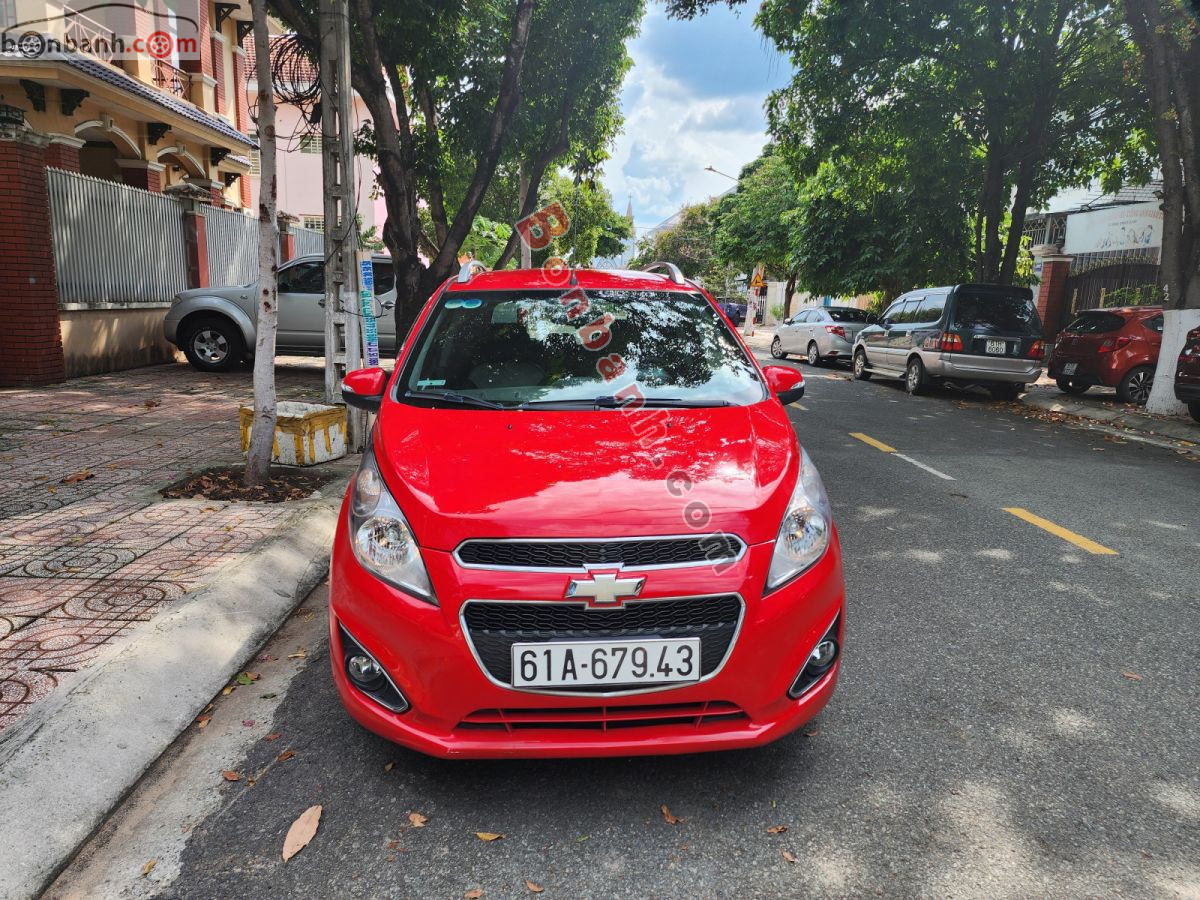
{"x": 997, "y": 347}
{"x": 589, "y": 663}
{"x": 1069, "y": 368}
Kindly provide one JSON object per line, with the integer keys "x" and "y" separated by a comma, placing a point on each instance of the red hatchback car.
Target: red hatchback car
{"x": 1110, "y": 347}
{"x": 1187, "y": 373}
{"x": 584, "y": 527}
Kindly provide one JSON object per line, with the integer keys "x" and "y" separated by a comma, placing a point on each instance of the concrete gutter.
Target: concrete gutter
{"x": 1165, "y": 431}
{"x": 75, "y": 757}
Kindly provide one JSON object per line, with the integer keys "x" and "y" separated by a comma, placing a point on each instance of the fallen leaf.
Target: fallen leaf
{"x": 488, "y": 835}
{"x": 1132, "y": 676}
{"x": 230, "y": 775}
{"x": 273, "y": 736}
{"x": 777, "y": 829}
{"x": 148, "y": 867}
{"x": 788, "y": 855}
{"x": 534, "y": 887}
{"x": 473, "y": 894}
{"x": 299, "y": 654}
{"x": 248, "y": 723}
{"x": 77, "y": 477}
{"x": 669, "y": 817}
{"x": 417, "y": 820}
{"x": 812, "y": 732}
{"x": 247, "y": 678}
{"x": 302, "y": 831}
{"x": 151, "y": 403}
{"x": 267, "y": 696}
{"x": 228, "y": 689}
{"x": 394, "y": 845}
{"x": 387, "y": 767}
{"x": 285, "y": 755}
{"x": 202, "y": 721}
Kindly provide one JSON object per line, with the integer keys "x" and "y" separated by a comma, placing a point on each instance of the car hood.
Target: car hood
{"x": 461, "y": 474}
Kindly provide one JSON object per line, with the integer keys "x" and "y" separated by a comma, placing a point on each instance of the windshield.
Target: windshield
{"x": 583, "y": 349}
{"x": 1096, "y": 323}
{"x": 996, "y": 313}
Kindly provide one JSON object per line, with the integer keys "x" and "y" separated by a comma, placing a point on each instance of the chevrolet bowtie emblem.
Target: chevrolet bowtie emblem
{"x": 605, "y": 589}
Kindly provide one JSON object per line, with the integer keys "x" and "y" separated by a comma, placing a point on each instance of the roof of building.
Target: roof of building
{"x": 117, "y": 78}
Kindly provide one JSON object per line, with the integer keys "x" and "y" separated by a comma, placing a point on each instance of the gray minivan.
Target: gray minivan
{"x": 968, "y": 334}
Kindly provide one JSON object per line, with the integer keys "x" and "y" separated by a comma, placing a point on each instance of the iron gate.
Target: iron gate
{"x": 1123, "y": 284}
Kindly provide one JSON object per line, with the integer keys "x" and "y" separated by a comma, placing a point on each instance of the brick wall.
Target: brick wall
{"x": 242, "y": 111}
{"x": 204, "y": 64}
{"x": 218, "y": 74}
{"x": 1052, "y": 293}
{"x": 63, "y": 156}
{"x": 30, "y": 341}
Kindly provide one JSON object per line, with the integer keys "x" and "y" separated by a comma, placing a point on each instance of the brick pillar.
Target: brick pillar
{"x": 218, "y": 73}
{"x": 141, "y": 174}
{"x": 241, "y": 107}
{"x": 203, "y": 65}
{"x": 31, "y": 340}
{"x": 195, "y": 237}
{"x": 244, "y": 190}
{"x": 1051, "y": 293}
{"x": 287, "y": 240}
{"x": 63, "y": 152}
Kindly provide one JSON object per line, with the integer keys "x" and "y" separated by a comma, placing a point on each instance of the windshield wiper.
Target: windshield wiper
{"x": 451, "y": 397}
{"x": 611, "y": 402}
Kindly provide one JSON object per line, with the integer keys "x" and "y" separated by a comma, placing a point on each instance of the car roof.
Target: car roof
{"x": 318, "y": 257}
{"x": 1123, "y": 310}
{"x": 588, "y": 279}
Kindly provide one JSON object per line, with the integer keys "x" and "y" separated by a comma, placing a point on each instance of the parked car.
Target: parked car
{"x": 967, "y": 335}
{"x": 568, "y": 541}
{"x": 820, "y": 334}
{"x": 1187, "y": 373}
{"x": 215, "y": 327}
{"x": 1111, "y": 347}
{"x": 734, "y": 310}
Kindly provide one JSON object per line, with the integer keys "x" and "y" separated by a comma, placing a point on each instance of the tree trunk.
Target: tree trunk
{"x": 787, "y": 294}
{"x": 262, "y": 430}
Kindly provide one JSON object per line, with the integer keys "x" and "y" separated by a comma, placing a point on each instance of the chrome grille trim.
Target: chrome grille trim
{"x": 720, "y": 560}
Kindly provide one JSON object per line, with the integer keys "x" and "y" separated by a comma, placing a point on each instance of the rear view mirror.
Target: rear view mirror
{"x": 785, "y": 383}
{"x": 364, "y": 388}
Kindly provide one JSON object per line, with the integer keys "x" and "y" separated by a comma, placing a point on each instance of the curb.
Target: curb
{"x": 77, "y": 755}
{"x": 1165, "y": 432}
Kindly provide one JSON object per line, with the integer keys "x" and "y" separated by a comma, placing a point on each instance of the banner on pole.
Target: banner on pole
{"x": 366, "y": 302}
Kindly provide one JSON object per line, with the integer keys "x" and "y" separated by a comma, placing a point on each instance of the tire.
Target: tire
{"x": 1006, "y": 391}
{"x": 915, "y": 380}
{"x": 777, "y": 351}
{"x": 1135, "y": 386}
{"x": 859, "y": 365}
{"x": 213, "y": 344}
{"x": 814, "y": 354}
{"x": 1067, "y": 386}
{"x": 1194, "y": 409}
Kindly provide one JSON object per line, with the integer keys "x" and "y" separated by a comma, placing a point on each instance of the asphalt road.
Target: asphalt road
{"x": 1017, "y": 714}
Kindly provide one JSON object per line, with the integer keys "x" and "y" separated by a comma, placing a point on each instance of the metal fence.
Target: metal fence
{"x": 114, "y": 245}
{"x": 308, "y": 241}
{"x": 232, "y": 246}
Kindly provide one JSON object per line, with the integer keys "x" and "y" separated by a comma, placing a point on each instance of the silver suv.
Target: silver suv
{"x": 215, "y": 326}
{"x": 969, "y": 334}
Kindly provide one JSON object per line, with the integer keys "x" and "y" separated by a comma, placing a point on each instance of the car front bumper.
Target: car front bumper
{"x": 457, "y": 710}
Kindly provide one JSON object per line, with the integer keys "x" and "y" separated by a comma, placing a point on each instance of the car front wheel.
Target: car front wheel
{"x": 860, "y": 365}
{"x": 213, "y": 345}
{"x": 1136, "y": 385}
{"x": 777, "y": 349}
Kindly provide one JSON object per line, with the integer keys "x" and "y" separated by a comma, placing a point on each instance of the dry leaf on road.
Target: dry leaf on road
{"x": 148, "y": 866}
{"x": 534, "y": 887}
{"x": 417, "y": 820}
{"x": 77, "y": 477}
{"x": 285, "y": 755}
{"x": 777, "y": 829}
{"x": 789, "y": 855}
{"x": 1132, "y": 676}
{"x": 202, "y": 721}
{"x": 488, "y": 835}
{"x": 473, "y": 894}
{"x": 302, "y": 831}
{"x": 273, "y": 736}
{"x": 387, "y": 767}
{"x": 230, "y": 775}
{"x": 670, "y": 818}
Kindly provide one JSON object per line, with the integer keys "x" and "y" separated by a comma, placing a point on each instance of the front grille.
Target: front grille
{"x": 689, "y": 716}
{"x": 493, "y": 627}
{"x": 629, "y": 552}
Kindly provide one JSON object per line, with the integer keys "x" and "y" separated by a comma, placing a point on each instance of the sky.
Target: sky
{"x": 693, "y": 98}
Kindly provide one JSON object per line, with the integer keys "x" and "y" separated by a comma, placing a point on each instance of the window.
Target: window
{"x": 255, "y": 162}
{"x": 930, "y": 310}
{"x": 1154, "y": 323}
{"x": 839, "y": 314}
{"x": 901, "y": 313}
{"x": 996, "y": 313}
{"x": 311, "y": 143}
{"x": 1096, "y": 323}
{"x": 514, "y": 347}
{"x": 303, "y": 278}
{"x": 313, "y": 223}
{"x": 385, "y": 277}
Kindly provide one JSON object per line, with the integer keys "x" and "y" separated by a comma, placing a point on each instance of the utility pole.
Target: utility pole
{"x": 526, "y": 253}
{"x": 343, "y": 342}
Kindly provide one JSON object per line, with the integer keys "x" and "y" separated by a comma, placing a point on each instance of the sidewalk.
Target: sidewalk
{"x": 88, "y": 549}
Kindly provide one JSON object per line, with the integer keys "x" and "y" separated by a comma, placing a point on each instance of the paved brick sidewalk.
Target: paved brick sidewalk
{"x": 82, "y": 563}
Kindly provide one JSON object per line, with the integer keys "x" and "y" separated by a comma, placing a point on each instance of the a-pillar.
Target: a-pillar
{"x": 142, "y": 174}
{"x": 31, "y": 341}
{"x": 1053, "y": 268}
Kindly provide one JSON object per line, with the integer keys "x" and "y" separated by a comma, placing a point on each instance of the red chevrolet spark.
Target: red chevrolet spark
{"x": 584, "y": 527}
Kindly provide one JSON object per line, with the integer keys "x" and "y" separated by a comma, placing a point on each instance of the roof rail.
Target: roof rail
{"x": 468, "y": 269}
{"x": 671, "y": 268}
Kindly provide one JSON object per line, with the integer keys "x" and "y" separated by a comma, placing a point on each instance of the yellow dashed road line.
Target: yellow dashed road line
{"x": 878, "y": 445}
{"x": 1058, "y": 531}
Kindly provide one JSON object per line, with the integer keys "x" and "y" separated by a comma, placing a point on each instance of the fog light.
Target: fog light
{"x": 363, "y": 669}
{"x": 819, "y": 663}
{"x": 823, "y": 654}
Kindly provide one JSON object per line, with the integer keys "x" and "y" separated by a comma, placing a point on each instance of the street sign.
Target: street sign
{"x": 366, "y": 303}
{"x": 757, "y": 281}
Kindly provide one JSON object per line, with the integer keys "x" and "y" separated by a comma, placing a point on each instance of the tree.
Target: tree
{"x": 1167, "y": 36}
{"x": 689, "y": 243}
{"x": 596, "y": 229}
{"x": 262, "y": 429}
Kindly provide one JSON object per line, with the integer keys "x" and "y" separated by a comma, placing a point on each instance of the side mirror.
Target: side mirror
{"x": 785, "y": 383}
{"x": 364, "y": 388}
{"x": 387, "y": 302}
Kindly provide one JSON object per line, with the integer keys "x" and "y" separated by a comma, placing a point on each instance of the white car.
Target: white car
{"x": 820, "y": 334}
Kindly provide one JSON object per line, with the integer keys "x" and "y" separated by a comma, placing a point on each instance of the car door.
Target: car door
{"x": 815, "y": 330}
{"x": 793, "y": 334}
{"x": 874, "y": 337}
{"x": 900, "y": 339}
{"x": 302, "y": 306}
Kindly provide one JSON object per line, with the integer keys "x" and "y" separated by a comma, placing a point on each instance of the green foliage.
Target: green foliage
{"x": 1135, "y": 295}
{"x": 596, "y": 229}
{"x": 690, "y": 244}
{"x": 751, "y": 224}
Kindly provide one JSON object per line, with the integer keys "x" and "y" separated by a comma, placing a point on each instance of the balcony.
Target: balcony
{"x": 172, "y": 79}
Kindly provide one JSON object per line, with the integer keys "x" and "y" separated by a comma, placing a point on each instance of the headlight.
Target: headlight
{"x": 806, "y": 527}
{"x": 382, "y": 541}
